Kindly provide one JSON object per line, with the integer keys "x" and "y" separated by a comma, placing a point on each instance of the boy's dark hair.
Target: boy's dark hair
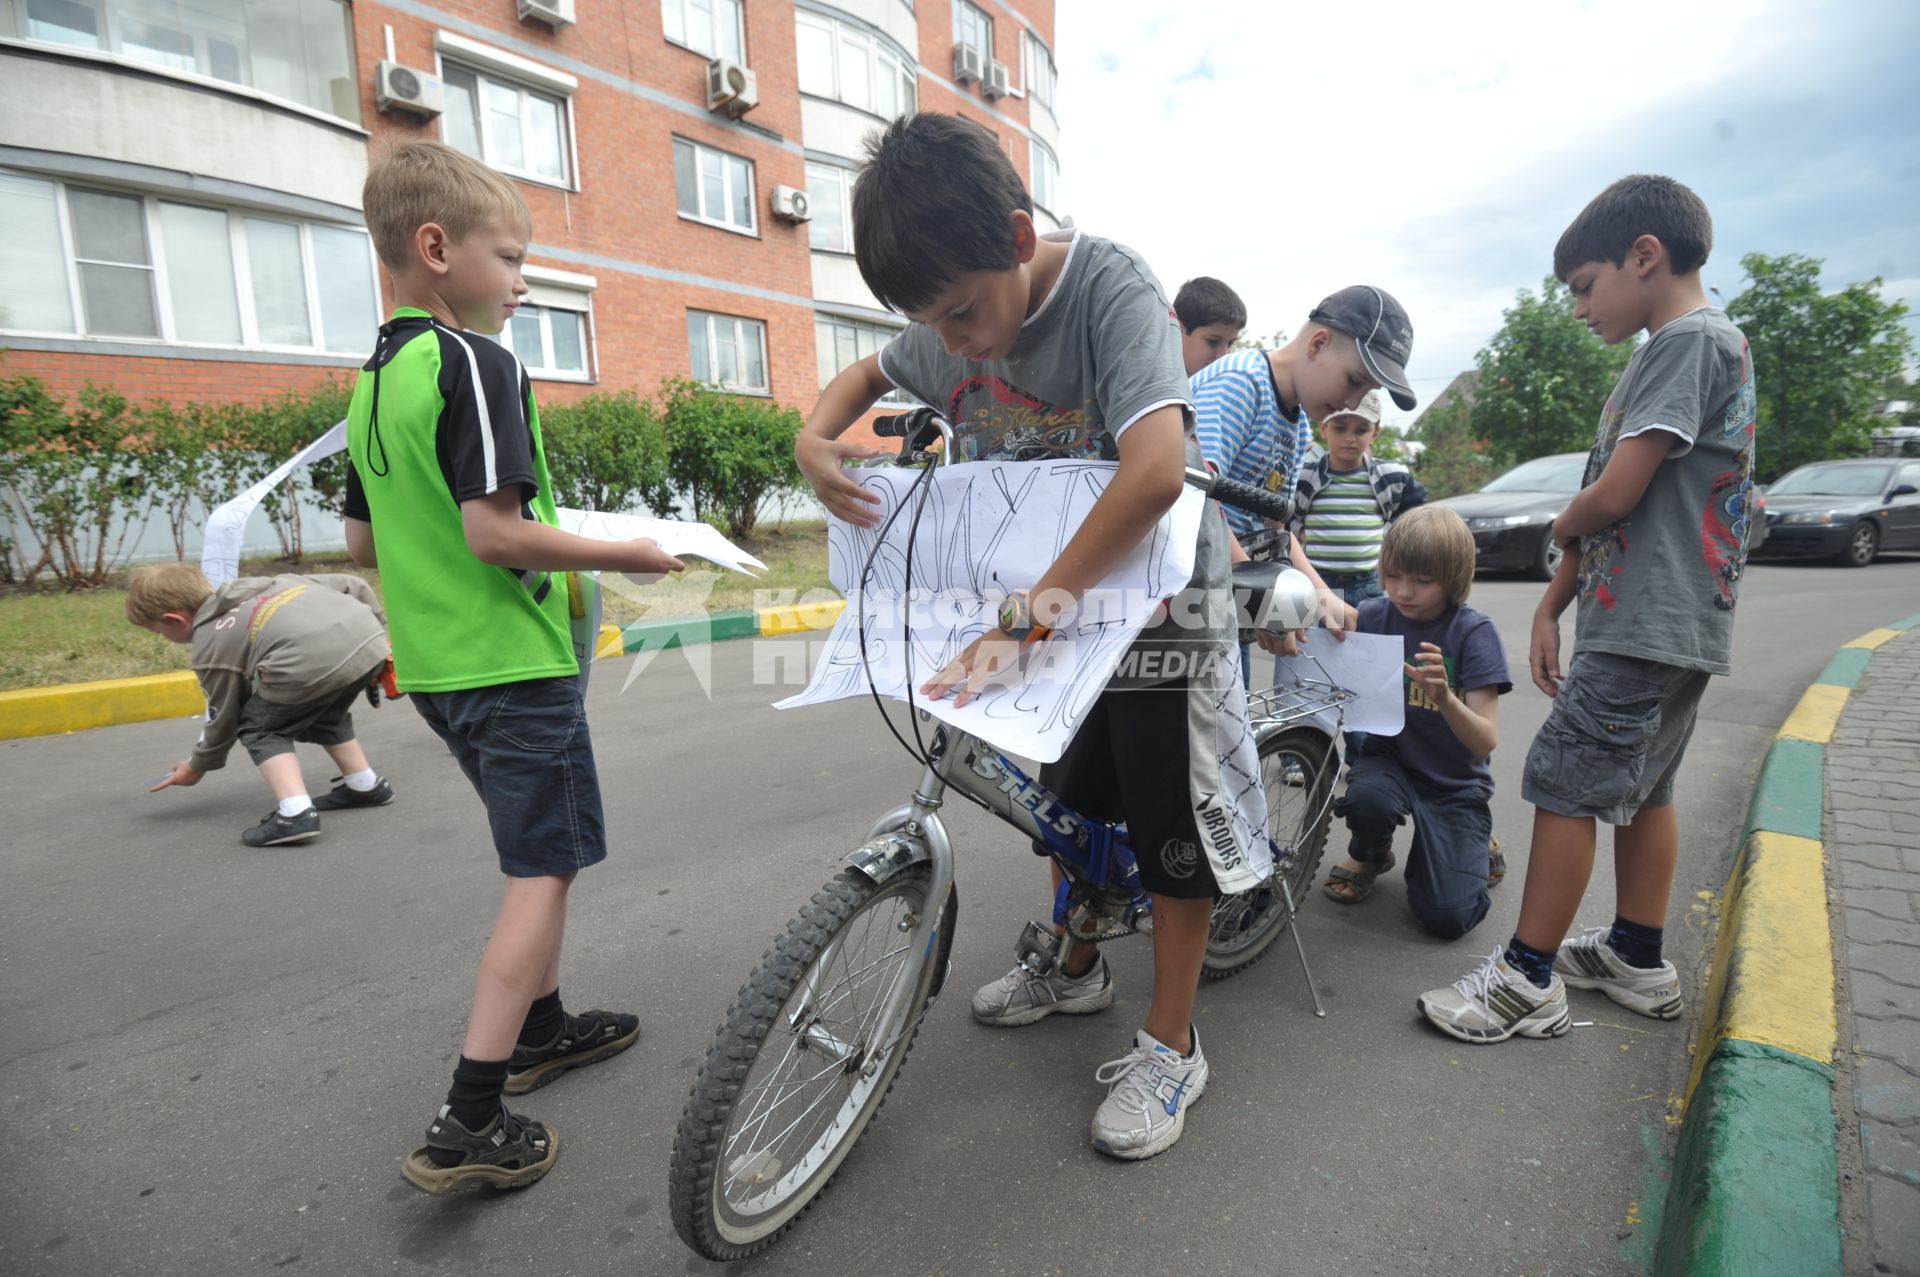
{"x": 1632, "y": 207}
{"x": 932, "y": 204}
{"x": 1205, "y": 300}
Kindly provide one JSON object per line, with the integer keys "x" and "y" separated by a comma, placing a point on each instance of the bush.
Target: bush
{"x": 74, "y": 478}
{"x": 607, "y": 452}
{"x": 726, "y": 454}
{"x": 246, "y": 442}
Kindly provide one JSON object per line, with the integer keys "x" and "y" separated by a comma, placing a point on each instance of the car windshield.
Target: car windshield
{"x": 1834, "y": 481}
{"x": 1542, "y": 474}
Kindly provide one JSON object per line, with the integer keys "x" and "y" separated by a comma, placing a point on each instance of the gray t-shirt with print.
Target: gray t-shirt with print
{"x": 1102, "y": 351}
{"x": 1661, "y": 583}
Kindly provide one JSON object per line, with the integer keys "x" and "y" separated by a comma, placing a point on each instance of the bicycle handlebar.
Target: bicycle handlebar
{"x": 1242, "y": 496}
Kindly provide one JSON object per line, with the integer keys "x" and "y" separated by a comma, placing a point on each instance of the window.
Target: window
{"x": 854, "y": 66}
{"x": 1041, "y": 76}
{"x": 1046, "y": 176}
{"x": 971, "y": 26}
{"x": 300, "y": 50}
{"x": 100, "y": 263}
{"x": 516, "y": 130}
{"x": 712, "y": 27}
{"x": 830, "y": 197}
{"x": 842, "y": 341}
{"x": 713, "y": 186}
{"x": 549, "y": 341}
{"x": 728, "y": 352}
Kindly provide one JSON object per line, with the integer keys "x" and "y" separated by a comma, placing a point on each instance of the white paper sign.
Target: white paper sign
{"x": 676, "y": 537}
{"x": 1368, "y": 665}
{"x": 988, "y": 528}
{"x": 227, "y": 525}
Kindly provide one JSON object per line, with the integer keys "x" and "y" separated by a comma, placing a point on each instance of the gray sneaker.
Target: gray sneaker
{"x": 1148, "y": 1092}
{"x": 1022, "y": 997}
{"x": 275, "y": 830}
{"x": 1587, "y": 961}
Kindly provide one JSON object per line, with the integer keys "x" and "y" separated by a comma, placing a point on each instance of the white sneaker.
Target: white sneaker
{"x": 1587, "y": 961}
{"x": 1149, "y": 1091}
{"x": 1021, "y": 997}
{"x": 1493, "y": 1002}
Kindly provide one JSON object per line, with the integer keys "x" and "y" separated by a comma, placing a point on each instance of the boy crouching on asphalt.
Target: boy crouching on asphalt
{"x": 1436, "y": 769}
{"x": 1656, "y": 546}
{"x": 281, "y": 660}
{"x": 448, "y": 492}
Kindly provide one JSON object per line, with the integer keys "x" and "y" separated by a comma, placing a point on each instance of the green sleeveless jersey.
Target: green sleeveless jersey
{"x": 440, "y": 416}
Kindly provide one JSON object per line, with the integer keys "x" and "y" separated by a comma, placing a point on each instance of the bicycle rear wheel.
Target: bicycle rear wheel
{"x": 1296, "y": 770}
{"x": 782, "y": 1096}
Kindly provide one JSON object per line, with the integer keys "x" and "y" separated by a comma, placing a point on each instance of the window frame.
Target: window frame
{"x": 964, "y": 8}
{"x": 883, "y": 57}
{"x": 742, "y": 323}
{"x": 484, "y": 76}
{"x": 1035, "y": 150}
{"x": 751, "y": 231}
{"x": 161, "y": 281}
{"x": 545, "y": 370}
{"x": 843, "y": 182}
{"x": 740, "y": 28}
{"x": 895, "y": 397}
{"x": 1036, "y": 53}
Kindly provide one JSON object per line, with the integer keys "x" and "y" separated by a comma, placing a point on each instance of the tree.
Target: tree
{"x": 1543, "y": 378}
{"x": 1820, "y": 361}
{"x": 1273, "y": 342}
{"x": 1455, "y": 459}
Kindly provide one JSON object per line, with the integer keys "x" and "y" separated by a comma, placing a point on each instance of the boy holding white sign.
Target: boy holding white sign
{"x": 1062, "y": 346}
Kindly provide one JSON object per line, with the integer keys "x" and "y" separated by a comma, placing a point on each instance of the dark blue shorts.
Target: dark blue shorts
{"x": 526, "y": 749}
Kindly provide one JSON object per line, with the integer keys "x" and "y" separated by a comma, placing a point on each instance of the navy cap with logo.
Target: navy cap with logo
{"x": 1380, "y": 325}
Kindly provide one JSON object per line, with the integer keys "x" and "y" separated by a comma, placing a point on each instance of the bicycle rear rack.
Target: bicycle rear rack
{"x": 1295, "y": 701}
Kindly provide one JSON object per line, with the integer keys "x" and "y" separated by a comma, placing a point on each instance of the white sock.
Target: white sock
{"x": 362, "y": 780}
{"x": 291, "y": 807}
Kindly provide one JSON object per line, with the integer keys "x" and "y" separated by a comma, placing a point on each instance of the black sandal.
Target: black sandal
{"x": 1359, "y": 881}
{"x": 509, "y": 1152}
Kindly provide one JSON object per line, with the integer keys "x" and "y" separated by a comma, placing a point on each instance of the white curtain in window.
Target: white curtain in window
{"x": 279, "y": 283}
{"x": 343, "y": 275}
{"x": 199, "y": 255}
{"x": 32, "y": 259}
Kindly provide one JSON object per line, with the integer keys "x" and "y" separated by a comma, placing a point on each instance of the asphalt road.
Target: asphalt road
{"x": 213, "y": 1059}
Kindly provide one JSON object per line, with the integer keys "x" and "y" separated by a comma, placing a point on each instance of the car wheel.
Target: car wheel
{"x": 1546, "y": 560}
{"x": 1862, "y": 544}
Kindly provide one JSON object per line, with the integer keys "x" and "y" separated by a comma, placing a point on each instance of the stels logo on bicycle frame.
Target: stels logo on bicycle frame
{"x": 1028, "y": 794}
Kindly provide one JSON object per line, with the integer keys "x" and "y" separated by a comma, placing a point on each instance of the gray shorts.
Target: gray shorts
{"x": 1614, "y": 738}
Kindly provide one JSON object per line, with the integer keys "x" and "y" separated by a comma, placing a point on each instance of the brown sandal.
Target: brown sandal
{"x": 1358, "y": 882}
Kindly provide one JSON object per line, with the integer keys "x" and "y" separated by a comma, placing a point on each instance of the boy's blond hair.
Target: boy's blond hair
{"x": 421, "y": 182}
{"x": 1432, "y": 541}
{"x": 166, "y": 587}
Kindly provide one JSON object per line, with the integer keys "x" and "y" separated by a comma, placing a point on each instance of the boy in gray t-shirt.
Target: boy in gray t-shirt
{"x": 1656, "y": 545}
{"x": 1035, "y": 347}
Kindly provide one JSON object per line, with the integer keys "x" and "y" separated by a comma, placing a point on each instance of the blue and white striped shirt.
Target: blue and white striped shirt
{"x": 1244, "y": 432}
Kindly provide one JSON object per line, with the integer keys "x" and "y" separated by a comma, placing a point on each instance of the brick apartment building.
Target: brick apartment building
{"x": 180, "y": 179}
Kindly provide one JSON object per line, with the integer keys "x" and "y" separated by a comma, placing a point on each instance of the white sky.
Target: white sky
{"x": 1438, "y": 149}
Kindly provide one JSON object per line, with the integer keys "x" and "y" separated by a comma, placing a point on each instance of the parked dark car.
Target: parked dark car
{"x": 1847, "y": 511}
{"x": 1511, "y": 516}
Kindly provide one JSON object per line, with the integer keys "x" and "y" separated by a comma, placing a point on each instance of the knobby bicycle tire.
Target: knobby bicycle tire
{"x": 703, "y": 1169}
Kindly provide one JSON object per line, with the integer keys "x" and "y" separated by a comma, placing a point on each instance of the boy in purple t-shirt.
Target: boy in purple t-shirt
{"x": 1436, "y": 769}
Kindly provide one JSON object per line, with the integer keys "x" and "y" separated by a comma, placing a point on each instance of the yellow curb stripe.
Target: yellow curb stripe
{"x": 1873, "y": 639}
{"x": 1817, "y": 714}
{"x": 608, "y": 643}
{"x": 74, "y": 707}
{"x": 1773, "y": 961}
{"x": 799, "y": 617}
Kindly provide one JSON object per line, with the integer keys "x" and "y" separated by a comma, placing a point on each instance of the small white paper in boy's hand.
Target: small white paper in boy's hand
{"x": 1368, "y": 665}
{"x": 676, "y": 536}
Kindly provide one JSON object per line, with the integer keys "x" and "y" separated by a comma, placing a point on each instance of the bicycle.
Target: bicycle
{"x": 817, "y": 1036}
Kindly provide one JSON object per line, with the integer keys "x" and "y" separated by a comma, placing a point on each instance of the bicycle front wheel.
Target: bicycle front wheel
{"x": 1296, "y": 771}
{"x": 802, "y": 1064}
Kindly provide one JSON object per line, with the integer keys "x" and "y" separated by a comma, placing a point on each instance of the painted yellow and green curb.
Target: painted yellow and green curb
{"x": 1755, "y": 1188}
{"x": 75, "y": 707}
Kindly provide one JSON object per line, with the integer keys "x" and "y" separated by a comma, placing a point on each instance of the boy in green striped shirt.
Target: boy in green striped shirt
{"x": 1346, "y": 499}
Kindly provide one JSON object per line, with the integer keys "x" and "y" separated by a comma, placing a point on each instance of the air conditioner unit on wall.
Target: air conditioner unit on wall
{"x": 731, "y": 87}
{"x": 790, "y": 204}
{"x": 398, "y": 88}
{"x": 997, "y": 83}
{"x": 967, "y": 68}
{"x": 555, "y": 13}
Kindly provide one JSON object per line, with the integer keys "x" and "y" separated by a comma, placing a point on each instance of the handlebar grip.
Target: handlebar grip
{"x": 898, "y": 426}
{"x": 1244, "y": 496}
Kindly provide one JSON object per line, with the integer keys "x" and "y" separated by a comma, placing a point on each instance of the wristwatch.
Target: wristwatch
{"x": 1016, "y": 618}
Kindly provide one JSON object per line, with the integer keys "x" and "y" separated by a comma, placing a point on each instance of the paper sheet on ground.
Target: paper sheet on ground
{"x": 675, "y": 536}
{"x": 227, "y": 525}
{"x": 990, "y": 527}
{"x": 1368, "y": 665}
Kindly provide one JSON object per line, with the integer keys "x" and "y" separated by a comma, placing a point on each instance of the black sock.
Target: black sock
{"x": 473, "y": 1099}
{"x": 1530, "y": 962}
{"x": 1637, "y": 946}
{"x": 545, "y": 1019}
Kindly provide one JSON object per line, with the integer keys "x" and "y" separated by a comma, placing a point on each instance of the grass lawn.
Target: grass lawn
{"x": 48, "y": 637}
